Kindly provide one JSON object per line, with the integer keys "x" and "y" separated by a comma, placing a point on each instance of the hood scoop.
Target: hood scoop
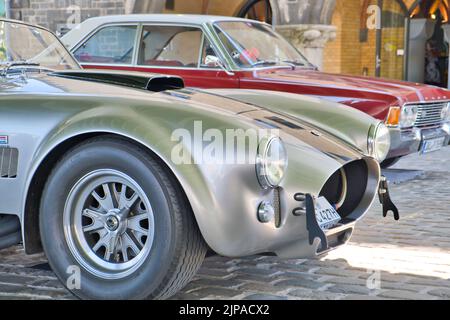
{"x": 284, "y": 122}
{"x": 143, "y": 81}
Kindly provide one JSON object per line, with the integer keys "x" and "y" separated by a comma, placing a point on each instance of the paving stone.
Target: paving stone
{"x": 263, "y": 297}
{"x": 405, "y": 295}
{"x": 305, "y": 294}
{"x": 362, "y": 297}
{"x": 216, "y": 292}
{"x": 346, "y": 280}
{"x": 349, "y": 289}
{"x": 303, "y": 283}
{"x": 441, "y": 293}
{"x": 229, "y": 283}
{"x": 260, "y": 287}
{"x": 258, "y": 271}
{"x": 15, "y": 279}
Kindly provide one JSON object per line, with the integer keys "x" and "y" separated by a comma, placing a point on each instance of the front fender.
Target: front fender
{"x": 152, "y": 128}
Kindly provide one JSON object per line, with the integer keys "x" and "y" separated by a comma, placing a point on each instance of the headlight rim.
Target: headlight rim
{"x": 261, "y": 163}
{"x": 373, "y": 140}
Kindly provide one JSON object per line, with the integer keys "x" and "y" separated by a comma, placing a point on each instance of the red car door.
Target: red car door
{"x": 196, "y": 77}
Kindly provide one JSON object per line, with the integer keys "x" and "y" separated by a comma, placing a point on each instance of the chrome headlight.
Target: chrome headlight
{"x": 445, "y": 114}
{"x": 379, "y": 142}
{"x": 271, "y": 162}
{"x": 408, "y": 116}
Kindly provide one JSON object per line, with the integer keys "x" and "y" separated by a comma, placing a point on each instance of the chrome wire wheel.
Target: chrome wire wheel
{"x": 108, "y": 224}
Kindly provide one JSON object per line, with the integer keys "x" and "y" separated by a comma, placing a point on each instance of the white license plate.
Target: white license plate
{"x": 326, "y": 215}
{"x": 432, "y": 145}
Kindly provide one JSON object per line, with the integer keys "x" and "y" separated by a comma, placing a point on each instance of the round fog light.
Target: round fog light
{"x": 266, "y": 212}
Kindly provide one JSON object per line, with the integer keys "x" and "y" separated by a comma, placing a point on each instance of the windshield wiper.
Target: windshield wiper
{"x": 274, "y": 63}
{"x": 302, "y": 64}
{"x": 7, "y": 66}
{"x": 295, "y": 63}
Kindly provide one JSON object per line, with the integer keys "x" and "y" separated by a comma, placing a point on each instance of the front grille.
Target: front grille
{"x": 429, "y": 114}
{"x": 9, "y": 158}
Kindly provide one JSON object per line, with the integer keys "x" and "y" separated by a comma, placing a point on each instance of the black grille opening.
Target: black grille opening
{"x": 346, "y": 187}
{"x": 277, "y": 207}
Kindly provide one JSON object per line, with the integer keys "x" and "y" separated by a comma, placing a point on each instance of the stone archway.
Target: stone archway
{"x": 306, "y": 24}
{"x": 309, "y": 12}
{"x": 140, "y": 6}
{"x": 257, "y": 10}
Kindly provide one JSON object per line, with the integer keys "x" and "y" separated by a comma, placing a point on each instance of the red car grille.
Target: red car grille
{"x": 429, "y": 114}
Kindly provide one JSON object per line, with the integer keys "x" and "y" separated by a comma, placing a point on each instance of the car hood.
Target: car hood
{"x": 200, "y": 104}
{"x": 347, "y": 87}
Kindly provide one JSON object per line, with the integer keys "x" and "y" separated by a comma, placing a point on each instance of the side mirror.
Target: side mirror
{"x": 213, "y": 61}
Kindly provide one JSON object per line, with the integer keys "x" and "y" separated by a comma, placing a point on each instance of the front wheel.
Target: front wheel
{"x": 115, "y": 214}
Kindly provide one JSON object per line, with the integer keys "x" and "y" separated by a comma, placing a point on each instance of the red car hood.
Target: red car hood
{"x": 360, "y": 92}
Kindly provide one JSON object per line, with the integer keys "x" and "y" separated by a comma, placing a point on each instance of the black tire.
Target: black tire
{"x": 390, "y": 162}
{"x": 178, "y": 248}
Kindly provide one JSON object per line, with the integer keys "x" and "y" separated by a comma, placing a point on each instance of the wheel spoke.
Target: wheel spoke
{"x": 102, "y": 242}
{"x": 124, "y": 250}
{"x": 106, "y": 202}
{"x": 94, "y": 227}
{"x": 122, "y": 196}
{"x": 124, "y": 201}
{"x": 134, "y": 224}
{"x": 132, "y": 201}
{"x": 97, "y": 220}
{"x": 129, "y": 243}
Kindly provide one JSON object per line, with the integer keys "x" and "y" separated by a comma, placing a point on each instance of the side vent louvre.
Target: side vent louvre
{"x": 9, "y": 158}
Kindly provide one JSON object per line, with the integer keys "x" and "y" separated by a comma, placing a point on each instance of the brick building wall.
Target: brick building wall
{"x": 354, "y": 50}
{"x": 348, "y": 54}
{"x": 58, "y": 14}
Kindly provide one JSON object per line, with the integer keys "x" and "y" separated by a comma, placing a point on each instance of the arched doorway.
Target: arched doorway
{"x": 260, "y": 10}
{"x": 436, "y": 14}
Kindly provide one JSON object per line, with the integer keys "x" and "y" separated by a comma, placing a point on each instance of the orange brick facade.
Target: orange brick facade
{"x": 355, "y": 53}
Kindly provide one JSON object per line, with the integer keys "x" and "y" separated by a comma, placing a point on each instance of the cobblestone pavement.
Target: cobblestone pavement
{"x": 409, "y": 259}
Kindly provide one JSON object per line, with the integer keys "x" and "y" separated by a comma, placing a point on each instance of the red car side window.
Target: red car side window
{"x": 110, "y": 45}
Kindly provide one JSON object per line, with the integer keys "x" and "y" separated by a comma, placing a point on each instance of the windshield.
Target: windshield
{"x": 256, "y": 44}
{"x": 24, "y": 45}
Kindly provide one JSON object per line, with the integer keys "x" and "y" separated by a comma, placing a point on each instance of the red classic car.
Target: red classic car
{"x": 224, "y": 52}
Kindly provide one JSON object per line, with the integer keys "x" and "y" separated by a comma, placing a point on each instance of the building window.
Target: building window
{"x": 170, "y": 4}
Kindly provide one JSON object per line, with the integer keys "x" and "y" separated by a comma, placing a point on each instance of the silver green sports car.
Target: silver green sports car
{"x": 126, "y": 180}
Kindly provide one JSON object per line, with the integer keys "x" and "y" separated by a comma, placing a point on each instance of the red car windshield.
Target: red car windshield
{"x": 257, "y": 45}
